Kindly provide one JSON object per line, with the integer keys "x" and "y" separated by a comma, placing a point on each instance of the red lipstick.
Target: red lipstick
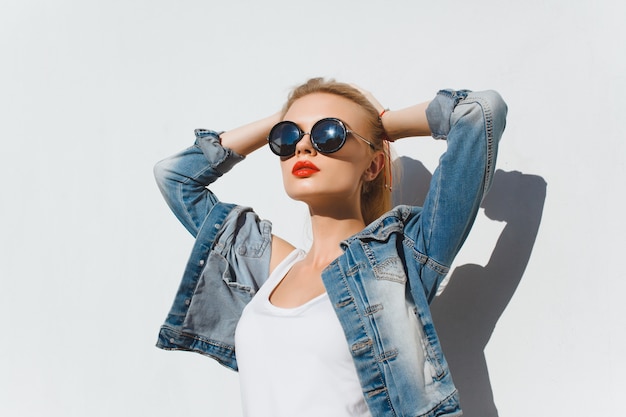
{"x": 304, "y": 169}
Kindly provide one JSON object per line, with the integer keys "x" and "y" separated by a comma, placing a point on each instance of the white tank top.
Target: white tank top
{"x": 295, "y": 361}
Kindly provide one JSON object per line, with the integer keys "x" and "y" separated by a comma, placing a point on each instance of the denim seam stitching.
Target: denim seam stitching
{"x": 198, "y": 338}
{"x": 488, "y": 118}
{"x": 489, "y": 132}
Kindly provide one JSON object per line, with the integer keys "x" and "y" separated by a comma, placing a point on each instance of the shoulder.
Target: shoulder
{"x": 280, "y": 249}
{"x": 397, "y": 219}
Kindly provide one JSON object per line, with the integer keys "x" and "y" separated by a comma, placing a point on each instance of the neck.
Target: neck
{"x": 328, "y": 232}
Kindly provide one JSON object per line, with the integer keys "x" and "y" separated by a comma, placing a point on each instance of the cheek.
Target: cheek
{"x": 343, "y": 175}
{"x": 285, "y": 170}
{"x": 290, "y": 183}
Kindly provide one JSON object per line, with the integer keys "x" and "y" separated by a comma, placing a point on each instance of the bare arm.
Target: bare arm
{"x": 407, "y": 122}
{"x": 403, "y": 123}
{"x": 250, "y": 137}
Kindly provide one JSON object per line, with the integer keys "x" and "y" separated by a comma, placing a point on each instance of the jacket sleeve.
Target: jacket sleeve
{"x": 472, "y": 123}
{"x": 183, "y": 178}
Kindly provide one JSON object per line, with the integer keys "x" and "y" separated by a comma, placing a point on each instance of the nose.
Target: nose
{"x": 304, "y": 145}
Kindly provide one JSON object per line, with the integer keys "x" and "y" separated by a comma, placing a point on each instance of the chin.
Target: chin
{"x": 311, "y": 190}
{"x": 300, "y": 195}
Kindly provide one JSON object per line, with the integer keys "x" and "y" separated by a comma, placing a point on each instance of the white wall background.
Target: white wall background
{"x": 92, "y": 93}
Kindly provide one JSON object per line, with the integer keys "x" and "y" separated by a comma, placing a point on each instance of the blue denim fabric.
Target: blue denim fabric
{"x": 380, "y": 287}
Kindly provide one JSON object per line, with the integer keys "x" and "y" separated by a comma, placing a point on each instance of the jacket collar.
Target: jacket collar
{"x": 380, "y": 229}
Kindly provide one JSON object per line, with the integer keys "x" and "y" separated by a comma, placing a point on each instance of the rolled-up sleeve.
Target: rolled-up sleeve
{"x": 472, "y": 124}
{"x": 183, "y": 177}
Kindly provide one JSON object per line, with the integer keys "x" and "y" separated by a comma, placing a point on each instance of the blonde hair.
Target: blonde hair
{"x": 375, "y": 194}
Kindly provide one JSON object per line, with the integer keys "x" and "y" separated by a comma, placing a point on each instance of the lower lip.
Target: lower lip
{"x": 304, "y": 172}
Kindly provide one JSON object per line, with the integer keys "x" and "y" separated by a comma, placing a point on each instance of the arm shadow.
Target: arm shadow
{"x": 476, "y": 296}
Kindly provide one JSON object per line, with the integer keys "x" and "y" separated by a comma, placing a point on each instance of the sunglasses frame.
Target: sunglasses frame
{"x": 302, "y": 133}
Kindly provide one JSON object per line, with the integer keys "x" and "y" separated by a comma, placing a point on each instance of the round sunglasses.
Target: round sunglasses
{"x": 327, "y": 136}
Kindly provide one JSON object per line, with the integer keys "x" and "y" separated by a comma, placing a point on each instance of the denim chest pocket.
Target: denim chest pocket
{"x": 243, "y": 236}
{"x": 238, "y": 283}
{"x": 390, "y": 269}
{"x": 253, "y": 243}
{"x": 217, "y": 298}
{"x": 252, "y": 249}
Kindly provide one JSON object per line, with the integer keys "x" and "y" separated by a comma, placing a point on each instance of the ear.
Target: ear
{"x": 376, "y": 165}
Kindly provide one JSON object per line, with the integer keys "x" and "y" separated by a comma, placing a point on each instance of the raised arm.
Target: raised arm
{"x": 183, "y": 178}
{"x": 472, "y": 124}
{"x": 408, "y": 122}
{"x": 248, "y": 138}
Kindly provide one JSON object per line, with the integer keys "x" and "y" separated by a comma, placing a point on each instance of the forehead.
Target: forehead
{"x": 313, "y": 107}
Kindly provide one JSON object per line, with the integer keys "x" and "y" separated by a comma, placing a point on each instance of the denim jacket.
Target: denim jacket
{"x": 380, "y": 287}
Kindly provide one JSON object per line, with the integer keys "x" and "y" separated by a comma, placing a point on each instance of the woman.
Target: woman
{"x": 343, "y": 329}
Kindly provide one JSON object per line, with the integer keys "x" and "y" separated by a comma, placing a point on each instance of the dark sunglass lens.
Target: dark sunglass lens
{"x": 283, "y": 138}
{"x": 329, "y": 135}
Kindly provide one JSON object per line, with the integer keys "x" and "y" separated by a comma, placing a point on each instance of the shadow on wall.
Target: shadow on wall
{"x": 476, "y": 296}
